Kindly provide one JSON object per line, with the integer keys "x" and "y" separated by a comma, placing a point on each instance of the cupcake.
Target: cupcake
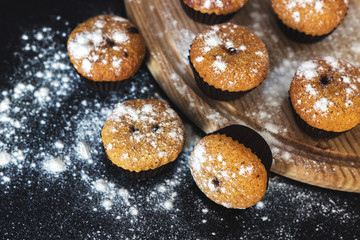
{"x": 325, "y": 96}
{"x": 211, "y": 11}
{"x": 309, "y": 21}
{"x": 142, "y": 136}
{"x": 106, "y": 51}
{"x": 231, "y": 166}
{"x": 228, "y": 60}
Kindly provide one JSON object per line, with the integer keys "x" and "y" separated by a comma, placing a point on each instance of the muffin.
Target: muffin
{"x": 309, "y": 21}
{"x": 142, "y": 136}
{"x": 106, "y": 51}
{"x": 231, "y": 166}
{"x": 325, "y": 96}
{"x": 228, "y": 60}
{"x": 211, "y": 11}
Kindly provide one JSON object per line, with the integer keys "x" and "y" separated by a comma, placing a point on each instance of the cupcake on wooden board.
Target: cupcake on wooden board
{"x": 228, "y": 60}
{"x": 309, "y": 21}
{"x": 106, "y": 51}
{"x": 231, "y": 166}
{"x": 211, "y": 11}
{"x": 142, "y": 136}
{"x": 325, "y": 95}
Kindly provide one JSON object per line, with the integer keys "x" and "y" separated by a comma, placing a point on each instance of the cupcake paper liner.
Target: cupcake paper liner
{"x": 250, "y": 139}
{"x": 139, "y": 175}
{"x": 143, "y": 174}
{"x": 104, "y": 86}
{"x": 215, "y": 93}
{"x": 299, "y": 36}
{"x": 205, "y": 18}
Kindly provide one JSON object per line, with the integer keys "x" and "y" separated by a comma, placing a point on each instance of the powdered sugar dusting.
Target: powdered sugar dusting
{"x": 55, "y": 165}
{"x": 308, "y": 70}
{"x": 322, "y": 105}
{"x": 219, "y": 65}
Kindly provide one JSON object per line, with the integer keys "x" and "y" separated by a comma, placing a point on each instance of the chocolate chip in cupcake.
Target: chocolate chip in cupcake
{"x": 325, "y": 95}
{"x": 228, "y": 60}
{"x": 142, "y": 136}
{"x": 107, "y": 51}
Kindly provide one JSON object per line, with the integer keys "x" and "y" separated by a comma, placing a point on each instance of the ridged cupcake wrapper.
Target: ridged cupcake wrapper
{"x": 205, "y": 18}
{"x": 299, "y": 36}
{"x": 104, "y": 86}
{"x": 143, "y": 174}
{"x": 213, "y": 92}
{"x": 312, "y": 131}
{"x": 250, "y": 139}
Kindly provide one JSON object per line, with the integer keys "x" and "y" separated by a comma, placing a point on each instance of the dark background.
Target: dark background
{"x": 293, "y": 210}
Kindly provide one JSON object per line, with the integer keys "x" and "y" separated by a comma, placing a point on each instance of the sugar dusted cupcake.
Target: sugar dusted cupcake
{"x": 142, "y": 136}
{"x": 231, "y": 166}
{"x": 211, "y": 11}
{"x": 309, "y": 21}
{"x": 106, "y": 51}
{"x": 228, "y": 60}
{"x": 325, "y": 95}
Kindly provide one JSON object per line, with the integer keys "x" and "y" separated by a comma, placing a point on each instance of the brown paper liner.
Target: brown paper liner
{"x": 143, "y": 174}
{"x": 139, "y": 175}
{"x": 215, "y": 93}
{"x": 104, "y": 86}
{"x": 312, "y": 131}
{"x": 250, "y": 139}
{"x": 299, "y": 36}
{"x": 205, "y": 18}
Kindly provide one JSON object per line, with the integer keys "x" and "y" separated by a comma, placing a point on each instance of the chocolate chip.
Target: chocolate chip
{"x": 132, "y": 30}
{"x": 325, "y": 79}
{"x": 230, "y": 51}
{"x": 216, "y": 182}
{"x": 155, "y": 128}
{"x": 125, "y": 54}
{"x": 110, "y": 43}
{"x": 134, "y": 129}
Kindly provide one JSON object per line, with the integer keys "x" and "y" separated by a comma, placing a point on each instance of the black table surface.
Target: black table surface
{"x": 55, "y": 179}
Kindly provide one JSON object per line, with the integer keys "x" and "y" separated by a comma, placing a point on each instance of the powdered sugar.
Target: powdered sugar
{"x": 308, "y": 70}
{"x": 120, "y": 37}
{"x": 322, "y": 105}
{"x": 55, "y": 165}
{"x": 219, "y": 65}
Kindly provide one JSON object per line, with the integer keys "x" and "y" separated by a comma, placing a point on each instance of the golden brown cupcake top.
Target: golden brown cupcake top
{"x": 325, "y": 93}
{"x": 106, "y": 48}
{"x": 312, "y": 17}
{"x": 230, "y": 57}
{"x": 218, "y": 7}
{"x": 228, "y": 172}
{"x": 143, "y": 134}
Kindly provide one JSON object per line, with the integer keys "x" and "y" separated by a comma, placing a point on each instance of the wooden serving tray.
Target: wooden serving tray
{"x": 168, "y": 33}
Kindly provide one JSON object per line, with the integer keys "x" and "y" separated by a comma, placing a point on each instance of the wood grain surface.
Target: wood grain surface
{"x": 168, "y": 33}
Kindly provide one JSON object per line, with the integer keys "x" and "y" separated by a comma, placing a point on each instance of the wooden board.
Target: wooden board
{"x": 168, "y": 33}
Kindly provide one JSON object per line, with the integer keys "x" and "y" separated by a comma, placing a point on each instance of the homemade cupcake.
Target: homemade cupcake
{"x": 228, "y": 60}
{"x": 211, "y": 11}
{"x": 142, "y": 136}
{"x": 325, "y": 95}
{"x": 231, "y": 166}
{"x": 309, "y": 21}
{"x": 107, "y": 51}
